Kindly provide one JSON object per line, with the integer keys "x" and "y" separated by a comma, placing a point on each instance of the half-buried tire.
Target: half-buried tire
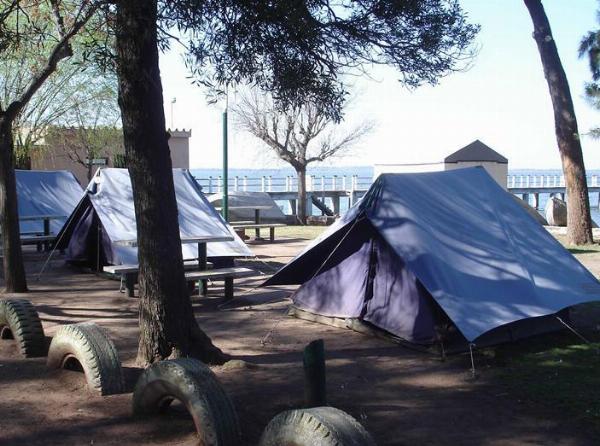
{"x": 317, "y": 426}
{"x": 197, "y": 388}
{"x": 88, "y": 346}
{"x": 20, "y": 321}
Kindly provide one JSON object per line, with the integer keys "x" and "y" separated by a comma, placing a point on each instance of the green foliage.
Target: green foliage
{"x": 589, "y": 48}
{"x": 119, "y": 160}
{"x": 300, "y": 51}
{"x": 76, "y": 94}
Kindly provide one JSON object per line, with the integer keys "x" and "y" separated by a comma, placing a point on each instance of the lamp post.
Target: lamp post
{"x": 225, "y": 201}
{"x": 172, "y": 104}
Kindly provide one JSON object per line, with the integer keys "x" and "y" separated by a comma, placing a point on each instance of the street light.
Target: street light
{"x": 225, "y": 200}
{"x": 172, "y": 103}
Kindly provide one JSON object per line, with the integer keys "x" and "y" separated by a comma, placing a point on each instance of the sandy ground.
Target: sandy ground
{"x": 401, "y": 396}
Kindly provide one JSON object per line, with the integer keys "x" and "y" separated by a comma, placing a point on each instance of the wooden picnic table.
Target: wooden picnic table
{"x": 200, "y": 240}
{"x": 257, "y": 224}
{"x": 202, "y": 274}
{"x": 45, "y": 238}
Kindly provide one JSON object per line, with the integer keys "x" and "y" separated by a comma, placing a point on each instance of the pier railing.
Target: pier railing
{"x": 332, "y": 188}
{"x": 314, "y": 183}
{"x": 543, "y": 181}
{"x": 347, "y": 184}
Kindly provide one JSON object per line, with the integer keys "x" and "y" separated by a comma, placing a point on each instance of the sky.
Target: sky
{"x": 502, "y": 100}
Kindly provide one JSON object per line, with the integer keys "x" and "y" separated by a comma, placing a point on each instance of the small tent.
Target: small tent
{"x": 41, "y": 192}
{"x": 243, "y": 199}
{"x": 441, "y": 254}
{"x": 106, "y": 215}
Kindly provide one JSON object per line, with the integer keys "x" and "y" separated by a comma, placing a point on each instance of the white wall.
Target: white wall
{"x": 179, "y": 143}
{"x": 498, "y": 171}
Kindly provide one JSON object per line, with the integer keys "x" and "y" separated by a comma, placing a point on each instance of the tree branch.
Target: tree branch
{"x": 60, "y": 51}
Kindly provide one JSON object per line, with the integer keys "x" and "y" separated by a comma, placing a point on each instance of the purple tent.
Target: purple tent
{"x": 471, "y": 268}
{"x": 106, "y": 215}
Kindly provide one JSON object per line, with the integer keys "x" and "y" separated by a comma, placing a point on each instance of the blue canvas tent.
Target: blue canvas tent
{"x": 106, "y": 215}
{"x": 40, "y": 192}
{"x": 440, "y": 254}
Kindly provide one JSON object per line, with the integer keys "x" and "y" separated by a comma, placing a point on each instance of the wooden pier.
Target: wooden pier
{"x": 532, "y": 186}
{"x": 331, "y": 190}
{"x": 320, "y": 188}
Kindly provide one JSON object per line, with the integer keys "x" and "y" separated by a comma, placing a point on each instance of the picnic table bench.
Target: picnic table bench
{"x": 200, "y": 271}
{"x": 129, "y": 272}
{"x": 258, "y": 226}
{"x": 36, "y": 238}
{"x": 40, "y": 238}
{"x": 226, "y": 274}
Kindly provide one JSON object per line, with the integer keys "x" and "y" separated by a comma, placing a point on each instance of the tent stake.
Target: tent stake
{"x": 315, "y": 392}
{"x": 473, "y": 375}
{"x": 443, "y": 351}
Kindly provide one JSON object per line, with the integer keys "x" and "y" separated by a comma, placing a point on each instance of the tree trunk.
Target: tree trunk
{"x": 167, "y": 325}
{"x": 301, "y": 171}
{"x": 90, "y": 172}
{"x": 579, "y": 224}
{"x": 14, "y": 270}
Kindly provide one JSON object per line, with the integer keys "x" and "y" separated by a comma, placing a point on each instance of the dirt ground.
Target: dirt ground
{"x": 402, "y": 397}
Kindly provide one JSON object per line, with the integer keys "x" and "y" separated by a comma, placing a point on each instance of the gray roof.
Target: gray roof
{"x": 476, "y": 151}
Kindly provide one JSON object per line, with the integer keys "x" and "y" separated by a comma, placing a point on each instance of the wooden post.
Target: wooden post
{"x": 46, "y": 232}
{"x": 336, "y": 204}
{"x": 309, "y": 205}
{"x": 203, "y": 284}
{"x": 315, "y": 390}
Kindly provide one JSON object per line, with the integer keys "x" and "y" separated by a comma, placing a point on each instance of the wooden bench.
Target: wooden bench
{"x": 226, "y": 274}
{"x": 129, "y": 274}
{"x": 258, "y": 227}
{"x": 39, "y": 240}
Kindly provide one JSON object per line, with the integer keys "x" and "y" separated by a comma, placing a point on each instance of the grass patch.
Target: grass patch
{"x": 593, "y": 248}
{"x": 303, "y": 232}
{"x": 565, "y": 377}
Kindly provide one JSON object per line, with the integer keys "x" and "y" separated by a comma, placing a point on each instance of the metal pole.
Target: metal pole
{"x": 225, "y": 173}
{"x": 172, "y": 102}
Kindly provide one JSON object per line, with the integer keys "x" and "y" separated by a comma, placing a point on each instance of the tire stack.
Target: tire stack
{"x": 92, "y": 348}
{"x": 20, "y": 321}
{"x": 316, "y": 426}
{"x": 187, "y": 380}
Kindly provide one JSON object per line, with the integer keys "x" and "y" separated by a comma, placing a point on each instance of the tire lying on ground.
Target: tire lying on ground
{"x": 317, "y": 426}
{"x": 20, "y": 321}
{"x": 89, "y": 345}
{"x": 193, "y": 384}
